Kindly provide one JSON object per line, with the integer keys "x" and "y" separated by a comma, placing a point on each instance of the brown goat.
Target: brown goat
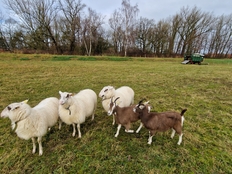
{"x": 160, "y": 122}
{"x": 124, "y": 116}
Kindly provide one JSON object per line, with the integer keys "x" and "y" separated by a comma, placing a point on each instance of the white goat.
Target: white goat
{"x": 161, "y": 122}
{"x": 125, "y": 93}
{"x": 33, "y": 122}
{"x": 74, "y": 109}
{"x": 124, "y": 116}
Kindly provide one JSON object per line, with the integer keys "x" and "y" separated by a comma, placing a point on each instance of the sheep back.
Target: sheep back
{"x": 78, "y": 107}
{"x": 50, "y": 107}
{"x": 125, "y": 93}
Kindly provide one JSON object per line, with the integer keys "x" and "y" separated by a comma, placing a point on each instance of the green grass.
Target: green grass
{"x": 205, "y": 90}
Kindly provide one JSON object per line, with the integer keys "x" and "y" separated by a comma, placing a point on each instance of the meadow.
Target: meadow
{"x": 205, "y": 90}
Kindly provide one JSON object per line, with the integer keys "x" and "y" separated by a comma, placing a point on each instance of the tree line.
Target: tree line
{"x": 70, "y": 27}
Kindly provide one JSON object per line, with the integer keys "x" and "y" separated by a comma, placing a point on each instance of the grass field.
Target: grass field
{"x": 205, "y": 90}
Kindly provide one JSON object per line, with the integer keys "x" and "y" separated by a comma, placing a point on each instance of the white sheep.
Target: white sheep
{"x": 125, "y": 93}
{"x": 33, "y": 122}
{"x": 74, "y": 109}
{"x": 160, "y": 122}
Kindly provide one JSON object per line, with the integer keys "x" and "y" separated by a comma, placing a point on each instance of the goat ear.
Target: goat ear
{"x": 140, "y": 102}
{"x": 146, "y": 103}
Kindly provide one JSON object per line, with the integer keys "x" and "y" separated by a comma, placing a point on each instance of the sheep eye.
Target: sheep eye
{"x": 67, "y": 96}
{"x": 9, "y": 108}
{"x": 106, "y": 90}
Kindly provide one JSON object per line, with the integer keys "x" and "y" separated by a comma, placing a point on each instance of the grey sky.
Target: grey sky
{"x": 161, "y": 9}
{"x": 155, "y": 9}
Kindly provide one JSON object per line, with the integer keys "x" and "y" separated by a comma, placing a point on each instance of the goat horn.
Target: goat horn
{"x": 116, "y": 99}
{"x": 140, "y": 102}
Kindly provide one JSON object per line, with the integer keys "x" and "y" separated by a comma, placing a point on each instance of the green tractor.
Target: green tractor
{"x": 193, "y": 58}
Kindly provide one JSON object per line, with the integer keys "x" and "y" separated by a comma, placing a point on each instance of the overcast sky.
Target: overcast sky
{"x": 156, "y": 9}
{"x": 161, "y": 9}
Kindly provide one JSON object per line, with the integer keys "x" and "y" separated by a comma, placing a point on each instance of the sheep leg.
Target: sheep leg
{"x": 34, "y": 145}
{"x": 150, "y": 138}
{"x": 180, "y": 139}
{"x": 40, "y": 146}
{"x": 118, "y": 129}
{"x": 60, "y": 123}
{"x": 79, "y": 130}
{"x": 92, "y": 117}
{"x": 173, "y": 133}
{"x": 140, "y": 126}
{"x": 74, "y": 130}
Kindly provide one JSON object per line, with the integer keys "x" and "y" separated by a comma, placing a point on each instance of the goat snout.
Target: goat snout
{"x": 109, "y": 113}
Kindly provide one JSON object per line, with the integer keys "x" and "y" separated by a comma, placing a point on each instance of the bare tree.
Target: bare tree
{"x": 36, "y": 18}
{"x": 221, "y": 37}
{"x": 115, "y": 23}
{"x": 144, "y": 33}
{"x": 194, "y": 24}
{"x": 91, "y": 29}
{"x": 70, "y": 22}
{"x": 124, "y": 21}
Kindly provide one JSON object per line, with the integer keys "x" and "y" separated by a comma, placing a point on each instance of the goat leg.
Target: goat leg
{"x": 150, "y": 138}
{"x": 118, "y": 129}
{"x": 173, "y": 133}
{"x": 180, "y": 139}
{"x": 140, "y": 126}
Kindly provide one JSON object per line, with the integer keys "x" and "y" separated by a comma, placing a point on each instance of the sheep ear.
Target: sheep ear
{"x": 15, "y": 108}
{"x": 25, "y": 101}
{"x": 60, "y": 92}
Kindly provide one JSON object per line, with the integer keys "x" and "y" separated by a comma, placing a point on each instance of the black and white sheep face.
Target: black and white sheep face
{"x": 106, "y": 92}
{"x": 64, "y": 96}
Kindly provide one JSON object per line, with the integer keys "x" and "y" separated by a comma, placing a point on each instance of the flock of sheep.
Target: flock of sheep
{"x": 73, "y": 109}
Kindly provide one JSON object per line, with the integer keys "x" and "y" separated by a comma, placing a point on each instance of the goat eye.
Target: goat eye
{"x": 106, "y": 90}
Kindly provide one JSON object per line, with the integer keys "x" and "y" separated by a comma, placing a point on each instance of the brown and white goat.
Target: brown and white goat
{"x": 160, "y": 122}
{"x": 124, "y": 116}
